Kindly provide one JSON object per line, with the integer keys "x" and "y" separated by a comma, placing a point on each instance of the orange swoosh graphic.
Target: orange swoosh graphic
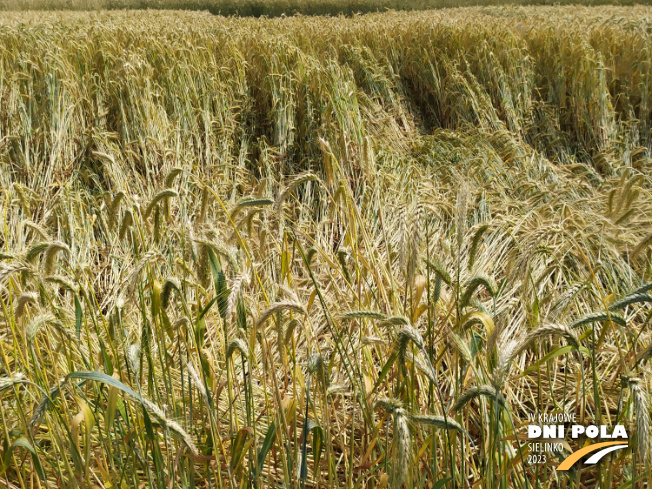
{"x": 575, "y": 456}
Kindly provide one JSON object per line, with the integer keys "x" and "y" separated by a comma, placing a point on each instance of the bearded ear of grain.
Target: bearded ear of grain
{"x": 403, "y": 462}
{"x": 174, "y": 173}
{"x": 505, "y": 354}
{"x": 236, "y": 294}
{"x": 168, "y": 193}
{"x": 40, "y": 230}
{"x": 492, "y": 338}
{"x": 475, "y": 242}
{"x": 51, "y": 255}
{"x": 436, "y": 294}
{"x": 508, "y": 352}
{"x": 641, "y": 246}
{"x": 337, "y": 389}
{"x": 598, "y": 317}
{"x": 410, "y": 333}
{"x": 170, "y": 285}
{"x": 473, "y": 284}
{"x": 289, "y": 331}
{"x": 418, "y": 360}
{"x": 23, "y": 300}
{"x": 63, "y": 282}
{"x": 440, "y": 271}
{"x": 42, "y": 407}
{"x": 179, "y": 323}
{"x": 442, "y": 422}
{"x": 114, "y": 209}
{"x": 291, "y": 185}
{"x": 6, "y": 382}
{"x": 249, "y": 202}
{"x": 405, "y": 336}
{"x": 341, "y": 257}
{"x": 204, "y": 205}
{"x": 564, "y": 300}
{"x": 238, "y": 345}
{"x": 487, "y": 391}
{"x": 388, "y": 404}
{"x": 23, "y": 198}
{"x": 199, "y": 384}
{"x": 316, "y": 365}
{"x": 642, "y": 289}
{"x": 364, "y": 315}
{"x": 221, "y": 250}
{"x": 458, "y": 344}
{"x": 636, "y": 298}
{"x": 38, "y": 323}
{"x": 35, "y": 251}
{"x": 394, "y": 321}
{"x": 551, "y": 330}
{"x": 401, "y": 437}
{"x": 278, "y": 307}
{"x": 628, "y": 193}
{"x": 7, "y": 270}
{"x": 481, "y": 318}
{"x": 158, "y": 224}
{"x": 330, "y": 163}
{"x": 127, "y": 222}
{"x": 625, "y": 217}
{"x": 310, "y": 254}
{"x": 641, "y": 407}
{"x": 546, "y": 331}
{"x": 158, "y": 414}
{"x": 133, "y": 358}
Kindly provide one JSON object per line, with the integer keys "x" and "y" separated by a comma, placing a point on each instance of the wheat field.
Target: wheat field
{"x": 322, "y": 252}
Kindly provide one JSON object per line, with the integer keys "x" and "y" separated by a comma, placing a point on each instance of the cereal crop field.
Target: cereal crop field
{"x": 332, "y": 252}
